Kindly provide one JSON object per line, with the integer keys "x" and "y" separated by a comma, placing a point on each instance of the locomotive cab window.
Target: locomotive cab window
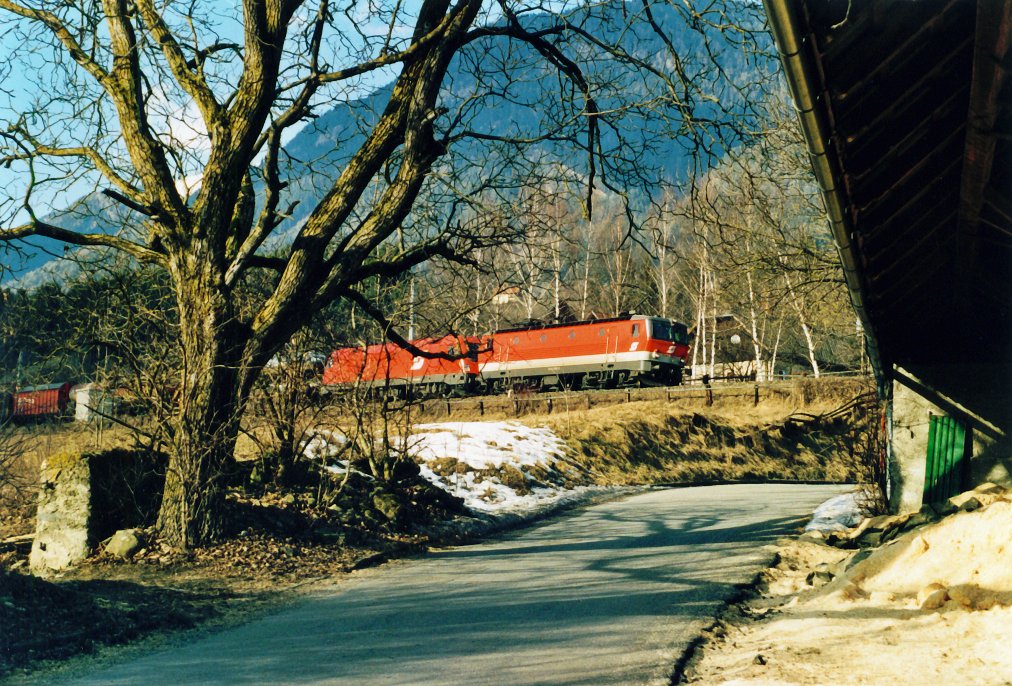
{"x": 668, "y": 330}
{"x": 636, "y": 330}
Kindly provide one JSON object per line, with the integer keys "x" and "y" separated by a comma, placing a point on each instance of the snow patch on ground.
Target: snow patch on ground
{"x": 499, "y": 468}
{"x": 838, "y": 513}
{"x": 486, "y": 444}
{"x": 496, "y": 467}
{"x": 325, "y": 447}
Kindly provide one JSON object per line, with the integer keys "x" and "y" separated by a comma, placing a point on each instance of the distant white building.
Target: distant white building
{"x": 90, "y": 397}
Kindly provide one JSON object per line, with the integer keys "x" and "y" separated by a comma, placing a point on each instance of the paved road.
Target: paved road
{"x": 608, "y": 595}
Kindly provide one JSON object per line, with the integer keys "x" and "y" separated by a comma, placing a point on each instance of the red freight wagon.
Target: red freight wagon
{"x": 635, "y": 349}
{"x": 41, "y": 401}
{"x": 376, "y": 364}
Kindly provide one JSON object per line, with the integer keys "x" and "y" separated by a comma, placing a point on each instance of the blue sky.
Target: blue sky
{"x": 28, "y": 78}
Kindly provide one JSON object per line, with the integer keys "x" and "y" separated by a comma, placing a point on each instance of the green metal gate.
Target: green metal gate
{"x": 949, "y": 445}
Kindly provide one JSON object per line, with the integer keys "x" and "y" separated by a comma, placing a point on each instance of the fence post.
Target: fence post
{"x": 481, "y": 408}
{"x": 516, "y": 408}
{"x": 550, "y": 404}
{"x": 755, "y": 399}
{"x": 588, "y": 400}
{"x": 709, "y": 394}
{"x": 628, "y": 396}
{"x": 448, "y": 408}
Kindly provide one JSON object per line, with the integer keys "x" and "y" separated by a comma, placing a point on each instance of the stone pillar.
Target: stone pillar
{"x": 62, "y": 533}
{"x": 85, "y": 498}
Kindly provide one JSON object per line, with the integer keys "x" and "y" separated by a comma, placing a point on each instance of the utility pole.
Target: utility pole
{"x": 411, "y": 289}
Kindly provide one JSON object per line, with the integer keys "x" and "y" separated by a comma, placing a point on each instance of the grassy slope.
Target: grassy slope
{"x": 654, "y": 442}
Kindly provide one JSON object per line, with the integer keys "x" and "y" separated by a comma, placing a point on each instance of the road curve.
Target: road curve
{"x": 607, "y": 595}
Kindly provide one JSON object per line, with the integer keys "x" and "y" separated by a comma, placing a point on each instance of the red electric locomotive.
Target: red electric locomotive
{"x": 602, "y": 353}
{"x": 393, "y": 366}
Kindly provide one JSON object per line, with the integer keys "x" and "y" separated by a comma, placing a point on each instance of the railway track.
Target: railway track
{"x": 561, "y": 401}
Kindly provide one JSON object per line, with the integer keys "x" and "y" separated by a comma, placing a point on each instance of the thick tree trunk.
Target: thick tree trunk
{"x": 192, "y": 502}
{"x": 212, "y": 396}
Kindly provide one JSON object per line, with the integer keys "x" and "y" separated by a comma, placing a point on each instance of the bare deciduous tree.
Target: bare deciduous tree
{"x": 760, "y": 235}
{"x": 178, "y": 112}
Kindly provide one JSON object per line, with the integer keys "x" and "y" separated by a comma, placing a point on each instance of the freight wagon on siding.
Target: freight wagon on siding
{"x": 41, "y": 402}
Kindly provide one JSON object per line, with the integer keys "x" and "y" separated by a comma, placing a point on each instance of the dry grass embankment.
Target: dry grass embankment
{"x": 655, "y": 442}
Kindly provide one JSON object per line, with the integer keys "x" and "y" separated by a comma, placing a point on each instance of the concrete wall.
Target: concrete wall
{"x": 992, "y": 461}
{"x": 911, "y": 415}
{"x": 909, "y": 448}
{"x": 91, "y": 397}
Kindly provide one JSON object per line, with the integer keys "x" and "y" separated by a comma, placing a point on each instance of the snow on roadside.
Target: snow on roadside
{"x": 838, "y": 513}
{"x": 497, "y": 467}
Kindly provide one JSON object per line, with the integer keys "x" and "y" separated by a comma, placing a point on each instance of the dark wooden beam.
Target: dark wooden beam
{"x": 930, "y": 33}
{"x": 898, "y": 101}
{"x": 994, "y": 26}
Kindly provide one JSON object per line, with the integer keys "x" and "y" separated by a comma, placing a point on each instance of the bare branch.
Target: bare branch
{"x": 392, "y": 334}
{"x": 192, "y": 81}
{"x": 53, "y": 23}
{"x": 39, "y": 228}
